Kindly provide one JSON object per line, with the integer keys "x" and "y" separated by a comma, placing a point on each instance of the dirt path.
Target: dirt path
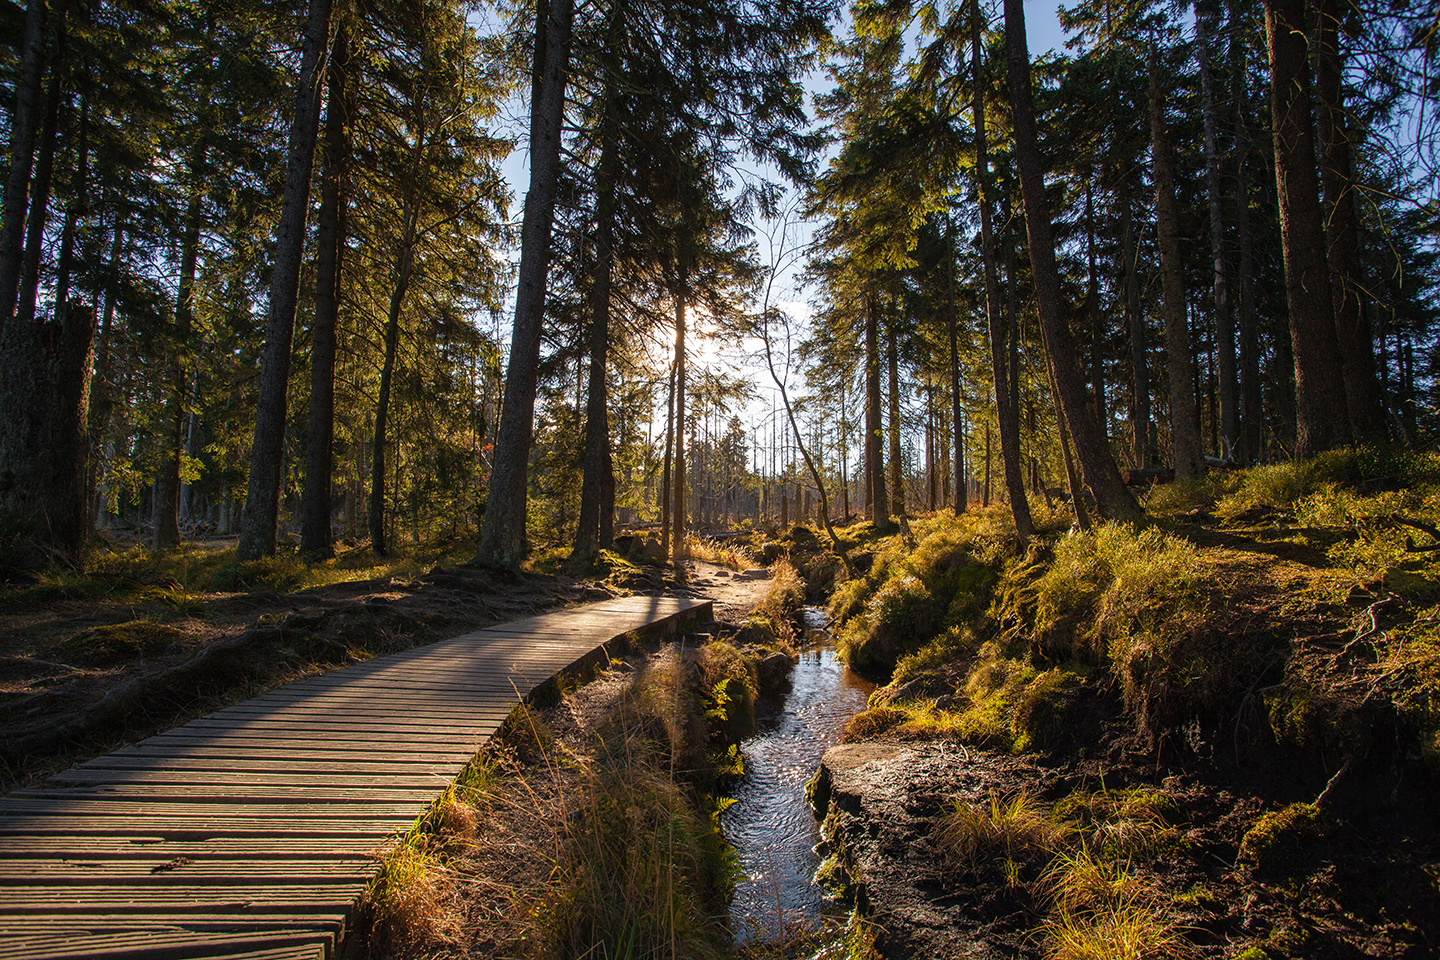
{"x": 735, "y": 594}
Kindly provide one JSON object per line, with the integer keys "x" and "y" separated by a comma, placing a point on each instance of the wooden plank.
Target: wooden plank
{"x": 384, "y": 765}
{"x": 132, "y": 898}
{"x": 275, "y": 850}
{"x": 253, "y": 778}
{"x": 316, "y": 791}
{"x": 184, "y": 828}
{"x": 183, "y": 870}
{"x": 250, "y": 832}
{"x": 316, "y": 809}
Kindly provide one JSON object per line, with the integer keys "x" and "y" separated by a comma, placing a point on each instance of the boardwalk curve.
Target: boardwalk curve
{"x": 252, "y": 832}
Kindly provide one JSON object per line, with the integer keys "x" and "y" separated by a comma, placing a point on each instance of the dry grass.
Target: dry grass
{"x": 736, "y": 556}
{"x": 1126, "y": 930}
{"x": 583, "y": 831}
{"x": 1011, "y": 828}
{"x": 406, "y": 901}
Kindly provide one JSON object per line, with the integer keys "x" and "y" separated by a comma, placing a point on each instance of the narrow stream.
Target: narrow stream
{"x": 770, "y": 823}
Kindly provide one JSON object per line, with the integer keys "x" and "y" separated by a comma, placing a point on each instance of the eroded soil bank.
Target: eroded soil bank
{"x": 1215, "y": 737}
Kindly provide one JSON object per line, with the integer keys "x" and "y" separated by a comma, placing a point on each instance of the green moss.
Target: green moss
{"x": 871, "y": 723}
{"x": 1251, "y": 953}
{"x": 117, "y": 643}
{"x": 1039, "y": 720}
{"x": 1283, "y": 840}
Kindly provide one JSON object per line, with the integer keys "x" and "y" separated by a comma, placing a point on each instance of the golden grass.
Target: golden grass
{"x": 1010, "y": 827}
{"x": 1128, "y": 930}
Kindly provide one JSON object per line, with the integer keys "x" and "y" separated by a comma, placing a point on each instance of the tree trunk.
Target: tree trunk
{"x": 316, "y": 536}
{"x": 874, "y": 432}
{"x": 1135, "y": 320}
{"x": 44, "y": 498}
{"x": 262, "y": 501}
{"x": 962, "y": 498}
{"x": 1184, "y": 431}
{"x": 985, "y": 491}
{"x": 665, "y": 476}
{"x": 40, "y": 188}
{"x": 677, "y": 545}
{"x": 405, "y": 269}
{"x": 167, "y": 485}
{"x": 502, "y": 538}
{"x": 1337, "y": 178}
{"x": 1321, "y": 417}
{"x": 78, "y": 207}
{"x": 1092, "y": 313}
{"x": 1113, "y": 499}
{"x": 1072, "y": 475}
{"x": 1228, "y": 386}
{"x": 103, "y": 394}
{"x": 23, "y": 121}
{"x": 1252, "y": 416}
{"x": 897, "y": 476}
{"x": 1007, "y": 411}
{"x": 67, "y": 513}
{"x": 597, "y": 472}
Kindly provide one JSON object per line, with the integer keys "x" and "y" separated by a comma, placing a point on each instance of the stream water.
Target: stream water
{"x": 770, "y": 824}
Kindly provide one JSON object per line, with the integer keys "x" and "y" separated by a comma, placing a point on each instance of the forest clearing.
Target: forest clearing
{"x": 1082, "y": 372}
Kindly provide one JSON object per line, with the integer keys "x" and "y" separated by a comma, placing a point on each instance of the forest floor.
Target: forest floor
{"x": 1215, "y": 737}
{"x": 140, "y": 642}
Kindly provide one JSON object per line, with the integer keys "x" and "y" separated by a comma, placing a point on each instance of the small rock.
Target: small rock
{"x": 771, "y": 670}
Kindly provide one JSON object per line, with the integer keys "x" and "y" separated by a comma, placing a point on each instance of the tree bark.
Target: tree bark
{"x": 1228, "y": 386}
{"x": 1112, "y": 499}
{"x": 1337, "y": 178}
{"x": 405, "y": 270}
{"x": 1184, "y": 431}
{"x": 1321, "y": 416}
{"x": 1092, "y": 313}
{"x": 874, "y": 431}
{"x": 597, "y": 471}
{"x": 66, "y": 448}
{"x": 897, "y": 477}
{"x": 40, "y": 188}
{"x": 1007, "y": 412}
{"x": 78, "y": 207}
{"x": 1135, "y": 320}
{"x": 503, "y": 538}
{"x": 316, "y": 536}
{"x": 1072, "y": 475}
{"x": 167, "y": 484}
{"x": 962, "y": 496}
{"x": 677, "y": 544}
{"x": 665, "y": 476}
{"x": 23, "y": 121}
{"x": 262, "y": 500}
{"x": 1252, "y": 414}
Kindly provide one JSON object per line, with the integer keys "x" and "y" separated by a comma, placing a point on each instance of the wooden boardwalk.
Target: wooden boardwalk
{"x": 252, "y": 832}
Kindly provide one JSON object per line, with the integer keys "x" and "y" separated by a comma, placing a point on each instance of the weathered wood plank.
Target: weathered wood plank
{"x": 250, "y": 832}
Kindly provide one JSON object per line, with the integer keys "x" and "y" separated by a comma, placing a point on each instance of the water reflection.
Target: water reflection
{"x": 770, "y": 824}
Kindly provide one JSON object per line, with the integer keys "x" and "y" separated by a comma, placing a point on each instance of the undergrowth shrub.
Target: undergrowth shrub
{"x": 1010, "y": 829}
{"x": 904, "y": 601}
{"x": 1363, "y": 469}
{"x": 405, "y": 900}
{"x": 639, "y": 871}
{"x": 780, "y": 611}
{"x": 1101, "y": 904}
{"x": 730, "y": 688}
